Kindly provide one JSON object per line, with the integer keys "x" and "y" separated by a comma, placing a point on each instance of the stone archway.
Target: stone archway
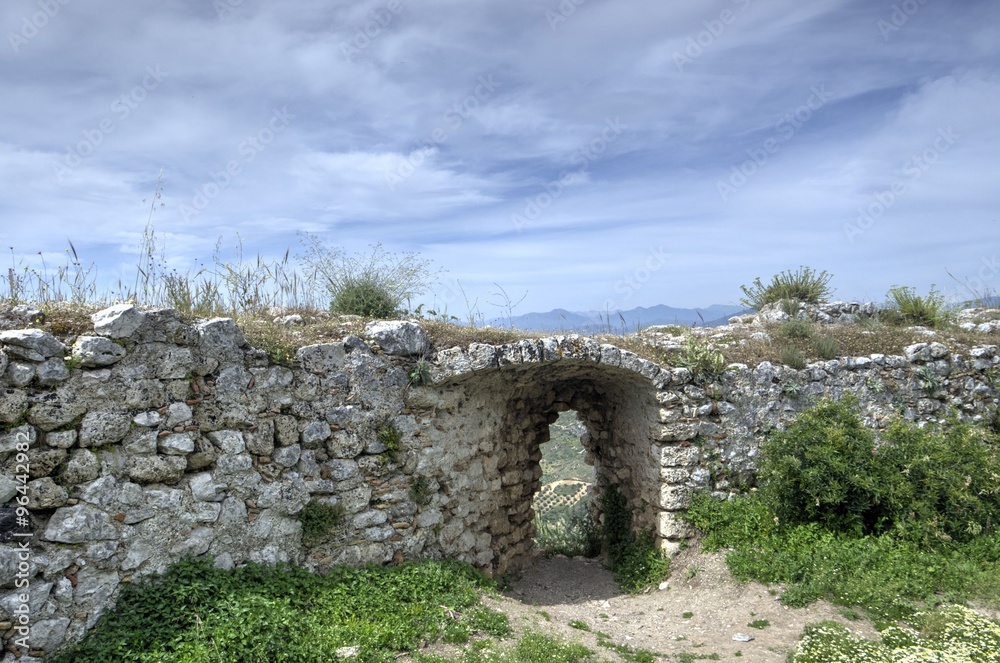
{"x": 489, "y": 414}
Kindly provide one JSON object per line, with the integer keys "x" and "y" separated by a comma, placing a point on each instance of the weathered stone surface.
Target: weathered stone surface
{"x": 51, "y": 372}
{"x": 398, "y": 337}
{"x": 103, "y": 427}
{"x": 63, "y": 439}
{"x": 205, "y": 489}
{"x": 19, "y": 374}
{"x": 97, "y": 351}
{"x": 156, "y": 469}
{"x": 54, "y": 414}
{"x": 323, "y": 358}
{"x": 83, "y": 467}
{"x": 43, "y": 462}
{"x": 177, "y": 444}
{"x": 18, "y": 439}
{"x": 31, "y": 344}
{"x": 13, "y": 405}
{"x": 221, "y": 339}
{"x": 80, "y": 524}
{"x": 119, "y": 321}
{"x": 46, "y": 494}
{"x": 315, "y": 433}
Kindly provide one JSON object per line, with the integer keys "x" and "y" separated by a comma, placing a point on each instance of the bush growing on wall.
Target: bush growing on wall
{"x": 802, "y": 285}
{"x": 379, "y": 284}
{"x": 929, "y": 486}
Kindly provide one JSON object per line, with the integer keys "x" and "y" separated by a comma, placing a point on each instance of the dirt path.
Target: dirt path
{"x": 698, "y": 614}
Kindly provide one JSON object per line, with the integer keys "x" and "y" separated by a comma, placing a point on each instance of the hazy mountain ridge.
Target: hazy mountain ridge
{"x": 617, "y": 321}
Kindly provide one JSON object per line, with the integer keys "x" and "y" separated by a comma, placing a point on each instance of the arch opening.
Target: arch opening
{"x": 564, "y": 515}
{"x": 500, "y": 419}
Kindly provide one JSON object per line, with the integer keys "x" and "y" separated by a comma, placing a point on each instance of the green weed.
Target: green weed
{"x": 319, "y": 521}
{"x": 257, "y": 613}
{"x": 803, "y": 285}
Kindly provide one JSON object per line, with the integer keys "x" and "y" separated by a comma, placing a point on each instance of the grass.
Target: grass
{"x": 803, "y": 285}
{"x": 891, "y": 527}
{"x": 196, "y": 612}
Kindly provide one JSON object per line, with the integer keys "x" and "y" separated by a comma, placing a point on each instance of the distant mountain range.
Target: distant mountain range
{"x": 591, "y": 322}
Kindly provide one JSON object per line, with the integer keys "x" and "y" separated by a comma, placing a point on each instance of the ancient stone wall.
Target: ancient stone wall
{"x": 152, "y": 439}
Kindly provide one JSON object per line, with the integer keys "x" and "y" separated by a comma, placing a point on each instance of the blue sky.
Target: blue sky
{"x": 593, "y": 153}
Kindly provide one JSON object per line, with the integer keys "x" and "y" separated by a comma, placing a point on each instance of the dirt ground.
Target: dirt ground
{"x": 698, "y": 614}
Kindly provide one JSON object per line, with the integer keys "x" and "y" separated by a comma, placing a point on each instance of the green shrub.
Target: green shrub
{"x": 636, "y": 560}
{"x": 906, "y": 307}
{"x": 367, "y": 298}
{"x": 803, "y": 285}
{"x": 826, "y": 347}
{"x": 701, "y": 359}
{"x": 391, "y": 437}
{"x": 950, "y": 486}
{"x": 378, "y": 284}
{"x": 792, "y": 357}
{"x": 571, "y": 533}
{"x": 796, "y": 329}
{"x": 927, "y": 485}
{"x": 420, "y": 374}
{"x": 823, "y": 469}
{"x": 320, "y": 520}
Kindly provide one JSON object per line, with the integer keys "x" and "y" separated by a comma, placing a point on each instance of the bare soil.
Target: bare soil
{"x": 698, "y": 614}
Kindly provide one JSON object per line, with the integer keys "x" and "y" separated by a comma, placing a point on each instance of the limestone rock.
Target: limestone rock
{"x": 97, "y": 351}
{"x": 13, "y": 405}
{"x": 176, "y": 444}
{"x": 32, "y": 344}
{"x": 46, "y": 494}
{"x": 12, "y": 439}
{"x": 119, "y": 321}
{"x": 156, "y": 469}
{"x": 221, "y": 339}
{"x": 19, "y": 373}
{"x": 398, "y": 337}
{"x": 80, "y": 524}
{"x": 104, "y": 427}
{"x": 51, "y": 372}
{"x": 83, "y": 467}
{"x": 322, "y": 358}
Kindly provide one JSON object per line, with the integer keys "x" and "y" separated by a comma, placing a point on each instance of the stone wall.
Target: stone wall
{"x": 152, "y": 439}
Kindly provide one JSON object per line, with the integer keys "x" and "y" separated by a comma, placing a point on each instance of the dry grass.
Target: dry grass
{"x": 66, "y": 321}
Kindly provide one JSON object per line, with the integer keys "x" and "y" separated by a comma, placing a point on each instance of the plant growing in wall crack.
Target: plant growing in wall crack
{"x": 636, "y": 560}
{"x": 420, "y": 490}
{"x": 320, "y": 521}
{"x": 701, "y": 359}
{"x": 420, "y": 374}
{"x": 390, "y": 436}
